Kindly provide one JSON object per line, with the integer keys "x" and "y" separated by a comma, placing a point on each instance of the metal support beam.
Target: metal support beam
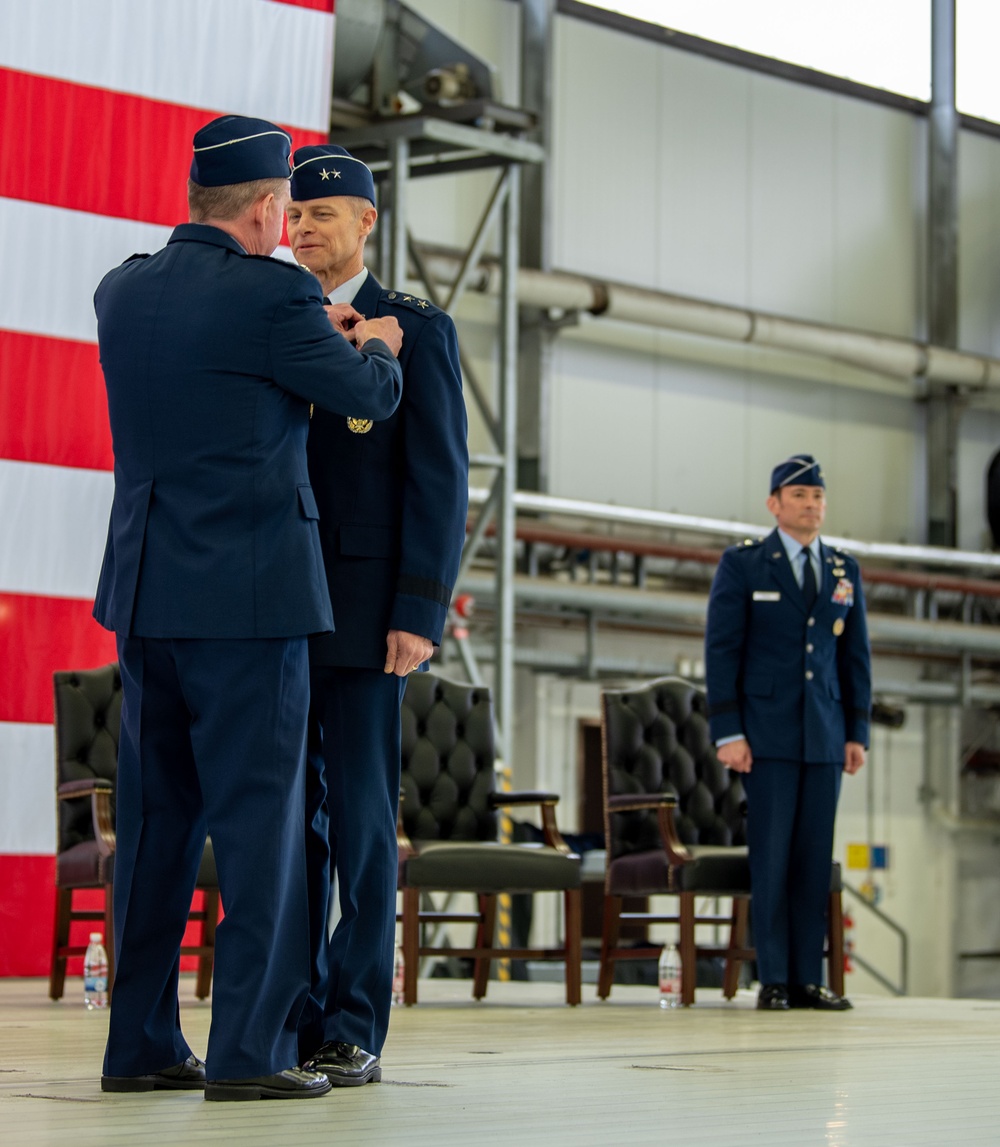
{"x": 942, "y": 274}
{"x": 503, "y": 680}
{"x": 399, "y": 151}
{"x": 537, "y": 20}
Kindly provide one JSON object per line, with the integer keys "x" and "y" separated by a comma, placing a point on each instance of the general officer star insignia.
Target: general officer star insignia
{"x": 324, "y": 174}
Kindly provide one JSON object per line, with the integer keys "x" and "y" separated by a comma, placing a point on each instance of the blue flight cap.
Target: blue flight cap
{"x": 799, "y": 470}
{"x": 237, "y": 149}
{"x": 328, "y": 169}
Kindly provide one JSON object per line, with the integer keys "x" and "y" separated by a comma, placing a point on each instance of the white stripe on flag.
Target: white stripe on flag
{"x": 249, "y": 56}
{"x": 55, "y": 525}
{"x": 27, "y": 784}
{"x": 57, "y": 258}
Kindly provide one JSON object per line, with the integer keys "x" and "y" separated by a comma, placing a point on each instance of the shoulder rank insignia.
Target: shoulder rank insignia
{"x": 359, "y": 425}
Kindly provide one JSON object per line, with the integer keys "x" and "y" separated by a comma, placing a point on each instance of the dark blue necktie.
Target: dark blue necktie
{"x": 809, "y": 590}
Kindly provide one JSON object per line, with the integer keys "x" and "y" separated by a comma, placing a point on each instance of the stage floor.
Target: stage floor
{"x": 523, "y": 1068}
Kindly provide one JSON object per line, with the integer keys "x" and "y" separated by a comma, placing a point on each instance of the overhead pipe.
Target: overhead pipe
{"x": 531, "y": 502}
{"x": 883, "y": 354}
{"x": 621, "y": 601}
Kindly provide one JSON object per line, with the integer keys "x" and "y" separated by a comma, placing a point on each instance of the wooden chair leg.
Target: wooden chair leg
{"x": 737, "y": 942}
{"x": 689, "y": 956}
{"x": 835, "y": 943}
{"x": 411, "y": 944}
{"x": 109, "y": 934}
{"x": 210, "y": 904}
{"x": 484, "y": 939}
{"x": 609, "y": 941}
{"x": 573, "y": 927}
{"x": 60, "y": 938}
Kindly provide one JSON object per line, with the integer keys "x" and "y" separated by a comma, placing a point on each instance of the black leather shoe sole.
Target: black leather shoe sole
{"x": 372, "y": 1075}
{"x": 186, "y": 1076}
{"x": 155, "y": 1082}
{"x": 237, "y": 1090}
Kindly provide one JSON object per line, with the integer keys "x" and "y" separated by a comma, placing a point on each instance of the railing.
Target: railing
{"x": 897, "y": 989}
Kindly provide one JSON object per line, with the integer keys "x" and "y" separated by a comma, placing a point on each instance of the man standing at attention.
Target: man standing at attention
{"x": 788, "y": 671}
{"x": 393, "y": 499}
{"x": 212, "y": 580}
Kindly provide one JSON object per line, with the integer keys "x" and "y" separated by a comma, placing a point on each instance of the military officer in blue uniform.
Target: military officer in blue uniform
{"x": 788, "y": 671}
{"x": 393, "y": 499}
{"x": 212, "y": 580}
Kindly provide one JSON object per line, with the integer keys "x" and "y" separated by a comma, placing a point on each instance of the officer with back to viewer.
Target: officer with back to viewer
{"x": 212, "y": 580}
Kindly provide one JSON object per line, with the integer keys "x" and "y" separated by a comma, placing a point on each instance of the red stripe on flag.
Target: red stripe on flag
{"x": 113, "y": 154}
{"x": 26, "y": 913}
{"x": 37, "y": 636}
{"x": 318, "y": 5}
{"x": 53, "y": 405}
{"x": 27, "y": 921}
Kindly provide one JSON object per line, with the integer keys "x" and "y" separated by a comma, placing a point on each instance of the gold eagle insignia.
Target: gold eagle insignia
{"x": 359, "y": 425}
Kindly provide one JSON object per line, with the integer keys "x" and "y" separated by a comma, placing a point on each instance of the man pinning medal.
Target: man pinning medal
{"x": 788, "y": 672}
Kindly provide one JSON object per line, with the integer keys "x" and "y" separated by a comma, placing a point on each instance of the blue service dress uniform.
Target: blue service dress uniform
{"x": 212, "y": 580}
{"x": 393, "y": 501}
{"x": 797, "y": 684}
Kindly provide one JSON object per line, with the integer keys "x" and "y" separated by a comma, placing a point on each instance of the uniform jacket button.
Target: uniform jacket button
{"x": 809, "y": 674}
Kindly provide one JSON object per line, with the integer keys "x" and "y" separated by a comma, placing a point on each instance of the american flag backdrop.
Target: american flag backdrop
{"x": 99, "y": 100}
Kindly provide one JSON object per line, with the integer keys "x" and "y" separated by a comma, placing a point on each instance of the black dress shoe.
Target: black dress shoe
{"x": 186, "y": 1076}
{"x": 773, "y": 998}
{"x": 818, "y": 997}
{"x": 345, "y": 1064}
{"x": 292, "y": 1083}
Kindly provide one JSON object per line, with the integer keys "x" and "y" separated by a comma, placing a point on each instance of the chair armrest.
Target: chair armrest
{"x": 547, "y": 804}
{"x": 635, "y": 802}
{"x": 664, "y": 804}
{"x": 99, "y": 790}
{"x": 498, "y": 800}
{"x": 70, "y": 790}
{"x": 403, "y": 842}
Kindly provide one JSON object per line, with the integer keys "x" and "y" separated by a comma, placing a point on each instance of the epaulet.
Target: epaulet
{"x": 286, "y": 263}
{"x": 411, "y": 303}
{"x": 748, "y": 544}
{"x": 132, "y": 258}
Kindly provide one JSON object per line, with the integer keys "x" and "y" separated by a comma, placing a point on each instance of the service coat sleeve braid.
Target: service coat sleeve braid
{"x": 436, "y": 482}
{"x": 725, "y": 634}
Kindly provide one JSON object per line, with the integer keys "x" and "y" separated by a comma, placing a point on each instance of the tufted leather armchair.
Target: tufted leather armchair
{"x": 448, "y": 833}
{"x": 88, "y": 707}
{"x": 675, "y": 823}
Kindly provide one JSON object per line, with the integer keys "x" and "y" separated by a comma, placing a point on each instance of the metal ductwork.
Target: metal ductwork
{"x": 385, "y": 54}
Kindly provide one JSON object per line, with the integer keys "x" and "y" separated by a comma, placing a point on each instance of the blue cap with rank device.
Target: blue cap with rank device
{"x": 239, "y": 149}
{"x": 799, "y": 470}
{"x": 327, "y": 169}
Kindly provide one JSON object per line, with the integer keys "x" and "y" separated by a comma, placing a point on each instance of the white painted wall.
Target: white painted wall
{"x": 683, "y": 174}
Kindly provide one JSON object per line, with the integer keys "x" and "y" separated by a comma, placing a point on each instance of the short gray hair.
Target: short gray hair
{"x": 228, "y": 202}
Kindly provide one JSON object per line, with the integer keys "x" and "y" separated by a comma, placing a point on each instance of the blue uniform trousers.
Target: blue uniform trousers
{"x": 791, "y": 809}
{"x": 212, "y": 739}
{"x": 352, "y": 794}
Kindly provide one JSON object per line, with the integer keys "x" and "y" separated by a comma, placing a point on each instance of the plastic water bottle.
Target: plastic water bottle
{"x": 95, "y": 973}
{"x": 669, "y": 976}
{"x": 398, "y": 976}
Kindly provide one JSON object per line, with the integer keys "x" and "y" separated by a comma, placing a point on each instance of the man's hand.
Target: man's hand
{"x": 343, "y": 318}
{"x": 854, "y": 757}
{"x": 736, "y": 755}
{"x": 405, "y": 651}
{"x": 385, "y": 328}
